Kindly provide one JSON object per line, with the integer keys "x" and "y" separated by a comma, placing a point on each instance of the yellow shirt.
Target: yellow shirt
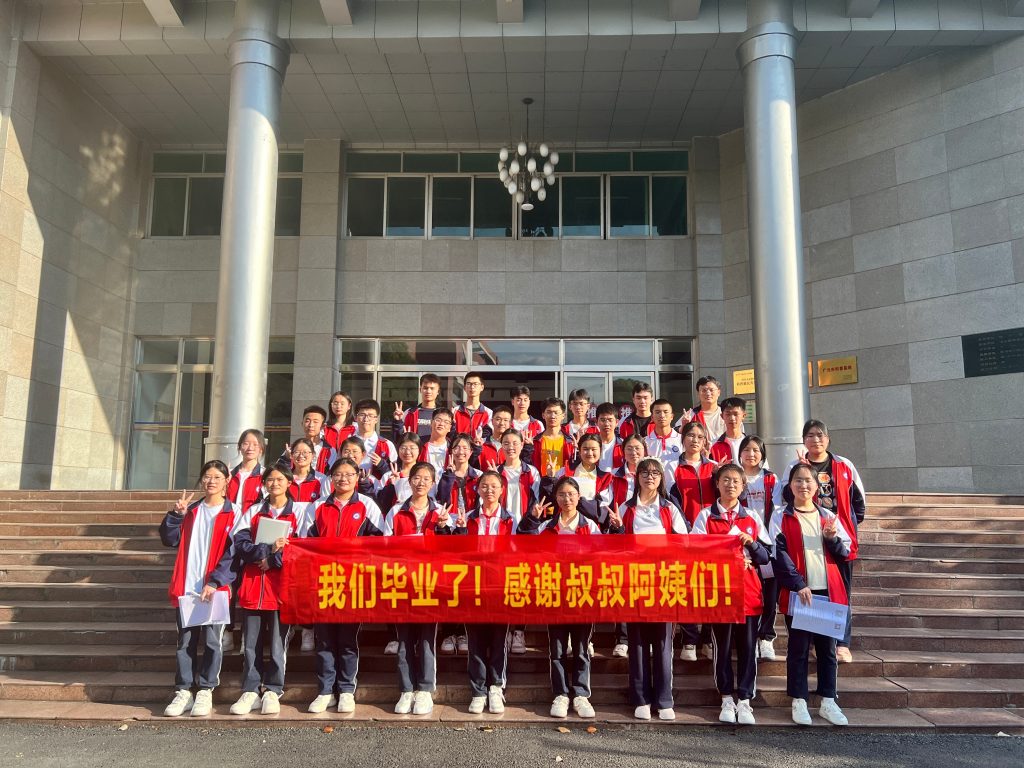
{"x": 551, "y": 452}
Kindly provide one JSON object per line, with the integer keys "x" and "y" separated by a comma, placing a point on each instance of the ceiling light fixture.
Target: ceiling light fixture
{"x": 524, "y": 170}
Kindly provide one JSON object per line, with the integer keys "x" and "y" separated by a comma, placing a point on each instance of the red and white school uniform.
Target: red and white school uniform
{"x": 402, "y": 521}
{"x": 324, "y": 457}
{"x": 712, "y": 421}
{"x": 376, "y": 444}
{"x": 623, "y": 485}
{"x": 595, "y": 490}
{"x": 436, "y": 455}
{"x": 528, "y": 427}
{"x": 472, "y": 423}
{"x": 611, "y": 455}
{"x": 520, "y": 489}
{"x": 305, "y": 495}
{"x": 758, "y": 498}
{"x": 335, "y": 436}
{"x": 669, "y": 450}
{"x": 563, "y": 455}
{"x": 460, "y": 493}
{"x": 416, "y": 420}
{"x": 490, "y": 453}
{"x": 726, "y": 450}
{"x": 359, "y": 516}
{"x": 627, "y": 427}
{"x": 245, "y": 488}
{"x": 259, "y": 589}
{"x": 693, "y": 488}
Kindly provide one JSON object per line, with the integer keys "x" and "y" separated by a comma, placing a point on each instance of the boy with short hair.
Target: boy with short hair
{"x": 555, "y": 449}
{"x": 663, "y": 442}
{"x": 726, "y": 449}
{"x": 709, "y": 415}
{"x": 611, "y": 444}
{"x": 491, "y": 453}
{"x": 639, "y": 421}
{"x": 380, "y": 452}
{"x": 522, "y": 421}
{"x": 435, "y": 450}
{"x": 580, "y": 423}
{"x": 472, "y": 417}
{"x": 418, "y": 419}
{"x": 313, "y": 418}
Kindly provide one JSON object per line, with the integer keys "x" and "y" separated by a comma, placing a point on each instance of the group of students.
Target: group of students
{"x": 476, "y": 471}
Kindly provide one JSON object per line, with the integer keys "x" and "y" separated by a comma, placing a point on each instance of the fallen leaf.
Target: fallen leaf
{"x": 563, "y": 729}
{"x": 591, "y": 729}
{"x": 328, "y": 729}
{"x": 558, "y": 758}
{"x": 123, "y": 727}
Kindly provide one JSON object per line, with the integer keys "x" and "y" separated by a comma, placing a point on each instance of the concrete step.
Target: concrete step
{"x": 944, "y": 499}
{"x": 84, "y": 518}
{"x": 945, "y": 551}
{"x": 102, "y": 574}
{"x": 913, "y": 599}
{"x": 899, "y": 580}
{"x": 937, "y": 619}
{"x": 930, "y": 523}
{"x": 83, "y": 558}
{"x": 999, "y": 538}
{"x": 952, "y": 640}
{"x": 50, "y": 544}
{"x": 83, "y": 529}
{"x": 85, "y": 505}
{"x": 1001, "y": 511}
{"x": 870, "y": 560}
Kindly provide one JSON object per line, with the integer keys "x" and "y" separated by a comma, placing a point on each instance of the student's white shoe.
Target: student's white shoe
{"x": 321, "y": 703}
{"x": 391, "y": 649}
{"x": 688, "y": 653}
{"x": 182, "y": 700}
{"x": 404, "y": 705}
{"x": 728, "y": 713}
{"x": 307, "y": 640}
{"x": 477, "y": 704}
{"x": 709, "y": 652}
{"x": 590, "y": 649}
{"x": 800, "y": 714}
{"x": 766, "y": 650}
{"x": 203, "y": 705}
{"x": 620, "y": 651}
{"x": 831, "y": 712}
{"x": 518, "y": 641}
{"x": 560, "y": 706}
{"x": 643, "y": 712}
{"x": 271, "y": 704}
{"x": 448, "y": 645}
{"x": 495, "y": 700}
{"x": 422, "y": 703}
{"x": 745, "y": 713}
{"x": 667, "y": 714}
{"x": 462, "y": 643}
{"x": 227, "y": 641}
{"x": 346, "y": 703}
{"x": 582, "y": 706}
{"x": 246, "y": 703}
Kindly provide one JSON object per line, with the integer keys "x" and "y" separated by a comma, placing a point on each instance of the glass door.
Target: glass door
{"x": 596, "y": 385}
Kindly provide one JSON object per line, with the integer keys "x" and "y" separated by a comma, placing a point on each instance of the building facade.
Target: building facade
{"x": 393, "y": 256}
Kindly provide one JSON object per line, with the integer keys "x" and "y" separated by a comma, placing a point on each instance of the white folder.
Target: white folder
{"x": 822, "y": 617}
{"x": 271, "y": 529}
{"x": 195, "y": 613}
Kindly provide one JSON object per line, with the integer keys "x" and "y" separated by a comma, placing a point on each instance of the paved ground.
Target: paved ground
{"x": 394, "y": 747}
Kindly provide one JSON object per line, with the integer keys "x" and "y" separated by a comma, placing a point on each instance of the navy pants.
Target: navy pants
{"x": 262, "y": 630}
{"x": 417, "y": 658}
{"x": 191, "y": 672}
{"x": 337, "y": 657}
{"x": 770, "y": 594}
{"x": 846, "y": 572}
{"x": 724, "y": 637}
{"x": 488, "y": 656}
{"x": 570, "y": 677}
{"x": 797, "y": 659}
{"x": 650, "y": 664}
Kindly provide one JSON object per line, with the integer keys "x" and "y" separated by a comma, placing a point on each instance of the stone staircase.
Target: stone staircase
{"x": 86, "y": 631}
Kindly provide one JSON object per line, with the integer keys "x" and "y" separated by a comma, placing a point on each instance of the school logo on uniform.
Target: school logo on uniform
{"x": 356, "y": 516}
{"x": 674, "y": 449}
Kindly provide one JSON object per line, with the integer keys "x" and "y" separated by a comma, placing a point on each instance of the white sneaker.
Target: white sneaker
{"x": 766, "y": 650}
{"x": 422, "y": 703}
{"x": 620, "y": 651}
{"x": 667, "y": 714}
{"x": 404, "y": 705}
{"x": 462, "y": 644}
{"x": 495, "y": 700}
{"x": 800, "y": 714}
{"x": 203, "y": 705}
{"x": 519, "y": 642}
{"x": 227, "y": 641}
{"x": 271, "y": 704}
{"x": 745, "y": 713}
{"x": 688, "y": 653}
{"x": 590, "y": 649}
{"x": 643, "y": 712}
{"x": 831, "y": 712}
{"x": 346, "y": 703}
{"x": 728, "y": 713}
{"x": 709, "y": 652}
{"x": 391, "y": 649}
{"x": 582, "y": 706}
{"x": 477, "y": 704}
{"x": 182, "y": 700}
{"x": 321, "y": 703}
{"x": 560, "y": 706}
{"x": 246, "y": 703}
{"x": 448, "y": 645}
{"x": 307, "y": 643}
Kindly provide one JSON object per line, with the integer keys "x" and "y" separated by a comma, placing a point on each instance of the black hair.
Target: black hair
{"x": 733, "y": 402}
{"x": 315, "y": 409}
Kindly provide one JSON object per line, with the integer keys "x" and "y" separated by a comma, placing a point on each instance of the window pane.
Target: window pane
{"x": 373, "y": 162}
{"x": 450, "y": 207}
{"x": 194, "y": 408}
{"x": 628, "y": 206}
{"x": 365, "y": 207}
{"x": 289, "y": 162}
{"x": 289, "y": 207}
{"x": 601, "y": 353}
{"x": 198, "y": 351}
{"x": 677, "y": 388}
{"x": 359, "y": 386}
{"x": 596, "y": 385}
{"x": 622, "y": 388}
{"x": 478, "y": 162}
{"x": 154, "y": 398}
{"x": 669, "y": 160}
{"x": 422, "y": 352}
{"x": 189, "y": 458}
{"x": 498, "y": 385}
{"x": 177, "y": 162}
{"x": 168, "y": 219}
{"x": 601, "y": 161}
{"x": 500, "y": 352}
{"x": 492, "y": 208}
{"x": 357, "y": 352}
{"x": 437, "y": 162}
{"x": 581, "y": 206}
{"x": 279, "y": 400}
{"x": 406, "y": 206}
{"x": 150, "y": 459}
{"x": 676, "y": 352}
{"x": 282, "y": 352}
{"x": 669, "y": 205}
{"x": 214, "y": 162}
{"x": 393, "y": 389}
{"x": 159, "y": 351}
{"x": 542, "y": 221}
{"x": 204, "y": 205}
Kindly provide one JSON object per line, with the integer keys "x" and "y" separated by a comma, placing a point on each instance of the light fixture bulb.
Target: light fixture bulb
{"x": 503, "y": 154}
{"x": 503, "y": 175}
{"x": 550, "y": 180}
{"x": 522, "y": 148}
{"x": 531, "y": 165}
{"x": 554, "y": 158}
{"x": 542, "y": 194}
{"x": 512, "y": 188}
{"x": 548, "y": 169}
{"x": 527, "y": 206}
{"x": 513, "y": 167}
{"x": 543, "y": 149}
{"x": 536, "y": 183}
{"x": 520, "y": 196}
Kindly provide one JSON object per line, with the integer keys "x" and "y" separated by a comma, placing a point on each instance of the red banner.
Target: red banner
{"x": 513, "y": 579}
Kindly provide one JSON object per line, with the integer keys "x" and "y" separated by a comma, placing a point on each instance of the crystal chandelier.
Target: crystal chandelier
{"x": 524, "y": 169}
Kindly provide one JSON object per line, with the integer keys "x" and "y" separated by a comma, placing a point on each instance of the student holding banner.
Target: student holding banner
{"x": 810, "y": 542}
{"x": 201, "y": 531}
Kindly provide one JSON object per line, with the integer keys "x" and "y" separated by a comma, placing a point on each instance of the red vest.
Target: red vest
{"x": 469, "y": 424}
{"x": 526, "y": 498}
{"x": 252, "y": 488}
{"x": 505, "y": 524}
{"x": 218, "y": 542}
{"x": 309, "y": 490}
{"x": 259, "y": 589}
{"x": 795, "y": 549}
{"x": 403, "y": 522}
{"x": 664, "y": 511}
{"x": 695, "y": 488}
{"x": 334, "y": 436}
{"x": 719, "y": 525}
{"x": 490, "y": 455}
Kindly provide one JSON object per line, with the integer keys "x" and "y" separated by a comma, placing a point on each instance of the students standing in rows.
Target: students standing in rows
{"x": 472, "y": 417}
{"x": 527, "y": 426}
{"x": 663, "y": 442}
{"x": 417, "y": 419}
{"x": 726, "y": 449}
{"x": 639, "y": 421}
{"x": 489, "y": 451}
{"x": 709, "y": 415}
{"x": 579, "y": 409}
{"x": 611, "y": 443}
{"x": 339, "y": 419}
{"x": 380, "y": 452}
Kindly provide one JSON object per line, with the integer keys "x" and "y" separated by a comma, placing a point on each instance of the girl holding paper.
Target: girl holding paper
{"x": 201, "y": 531}
{"x": 810, "y": 542}
{"x": 261, "y": 554}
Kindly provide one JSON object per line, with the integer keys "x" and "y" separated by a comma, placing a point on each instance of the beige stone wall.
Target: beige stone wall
{"x": 912, "y": 187}
{"x": 68, "y": 221}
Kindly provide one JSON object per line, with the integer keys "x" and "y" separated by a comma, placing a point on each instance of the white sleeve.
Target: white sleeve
{"x": 783, "y": 480}
{"x": 700, "y": 525}
{"x": 389, "y": 521}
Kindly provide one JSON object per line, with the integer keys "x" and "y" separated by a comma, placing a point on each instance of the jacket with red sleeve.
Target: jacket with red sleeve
{"x": 401, "y": 521}
{"x": 627, "y": 427}
{"x": 529, "y": 489}
{"x": 623, "y": 485}
{"x": 411, "y": 420}
{"x": 259, "y": 589}
{"x": 551, "y": 525}
{"x": 595, "y": 508}
{"x": 537, "y": 457}
{"x": 488, "y": 454}
{"x": 530, "y": 430}
{"x": 789, "y": 562}
{"x": 694, "y": 488}
{"x": 721, "y": 451}
{"x": 478, "y": 422}
{"x": 251, "y": 488}
{"x": 479, "y": 524}
{"x": 450, "y": 488}
{"x": 719, "y": 522}
{"x": 176, "y": 531}
{"x": 359, "y": 516}
{"x": 335, "y": 436}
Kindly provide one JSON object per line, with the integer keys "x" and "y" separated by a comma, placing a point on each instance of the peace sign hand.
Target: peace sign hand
{"x": 181, "y": 505}
{"x": 478, "y": 436}
{"x": 491, "y": 466}
{"x": 460, "y": 521}
{"x": 613, "y": 517}
{"x": 399, "y": 412}
{"x": 541, "y": 509}
{"x": 443, "y": 517}
{"x": 551, "y": 468}
{"x": 801, "y": 456}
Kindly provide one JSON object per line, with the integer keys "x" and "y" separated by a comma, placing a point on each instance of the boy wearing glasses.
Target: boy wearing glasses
{"x": 380, "y": 452}
{"x": 726, "y": 449}
{"x": 472, "y": 417}
{"x": 709, "y": 414}
{"x": 313, "y": 418}
{"x": 435, "y": 450}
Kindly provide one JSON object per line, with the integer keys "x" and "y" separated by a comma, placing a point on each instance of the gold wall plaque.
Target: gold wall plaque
{"x": 743, "y": 382}
{"x": 837, "y": 370}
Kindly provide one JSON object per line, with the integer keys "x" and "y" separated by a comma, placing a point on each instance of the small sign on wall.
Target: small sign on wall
{"x": 743, "y": 382}
{"x": 837, "y": 370}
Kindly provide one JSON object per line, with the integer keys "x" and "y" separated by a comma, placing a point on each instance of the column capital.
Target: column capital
{"x": 254, "y": 39}
{"x": 773, "y": 38}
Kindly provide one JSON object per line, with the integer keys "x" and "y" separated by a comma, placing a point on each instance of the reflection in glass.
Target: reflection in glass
{"x": 622, "y": 387}
{"x": 581, "y": 206}
{"x": 198, "y": 352}
{"x": 359, "y": 386}
{"x": 159, "y": 351}
{"x": 357, "y": 352}
{"x": 188, "y": 457}
{"x": 595, "y": 385}
{"x": 289, "y": 207}
{"x": 601, "y": 353}
{"x": 194, "y": 407}
{"x": 450, "y": 207}
{"x": 150, "y": 458}
{"x": 154, "y": 398}
{"x": 281, "y": 352}
{"x": 168, "y": 219}
{"x": 677, "y": 388}
{"x": 628, "y": 205}
{"x": 669, "y": 205}
{"x": 492, "y": 208}
{"x": 279, "y": 400}
{"x": 422, "y": 352}
{"x": 676, "y": 352}
{"x": 542, "y": 221}
{"x": 407, "y": 199}
{"x": 205, "y": 198}
{"x": 500, "y": 352}
{"x": 365, "y": 208}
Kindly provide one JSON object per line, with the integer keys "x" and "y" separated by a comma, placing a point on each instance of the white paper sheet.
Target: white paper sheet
{"x": 195, "y": 613}
{"x": 767, "y": 571}
{"x": 821, "y": 617}
{"x": 270, "y": 530}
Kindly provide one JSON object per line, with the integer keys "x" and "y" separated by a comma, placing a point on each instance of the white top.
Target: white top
{"x": 647, "y": 518}
{"x": 587, "y": 481}
{"x": 606, "y": 461}
{"x": 814, "y": 550}
{"x": 199, "y": 548}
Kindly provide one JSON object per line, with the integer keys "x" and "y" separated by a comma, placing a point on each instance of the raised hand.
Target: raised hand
{"x": 399, "y": 412}
{"x": 375, "y": 458}
{"x": 801, "y": 456}
{"x": 287, "y": 449}
{"x": 746, "y": 539}
{"x": 541, "y": 509}
{"x": 478, "y": 436}
{"x": 614, "y": 519}
{"x": 181, "y": 505}
{"x": 492, "y": 466}
{"x": 460, "y": 521}
{"x": 443, "y": 514}
{"x": 550, "y": 468}
{"x": 830, "y": 530}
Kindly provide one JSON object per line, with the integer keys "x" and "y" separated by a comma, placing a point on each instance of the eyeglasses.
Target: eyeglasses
{"x": 815, "y": 436}
{"x": 650, "y": 473}
{"x": 442, "y": 422}
{"x": 344, "y": 475}
{"x": 302, "y": 455}
{"x": 211, "y": 478}
{"x": 366, "y": 416}
{"x": 730, "y": 481}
